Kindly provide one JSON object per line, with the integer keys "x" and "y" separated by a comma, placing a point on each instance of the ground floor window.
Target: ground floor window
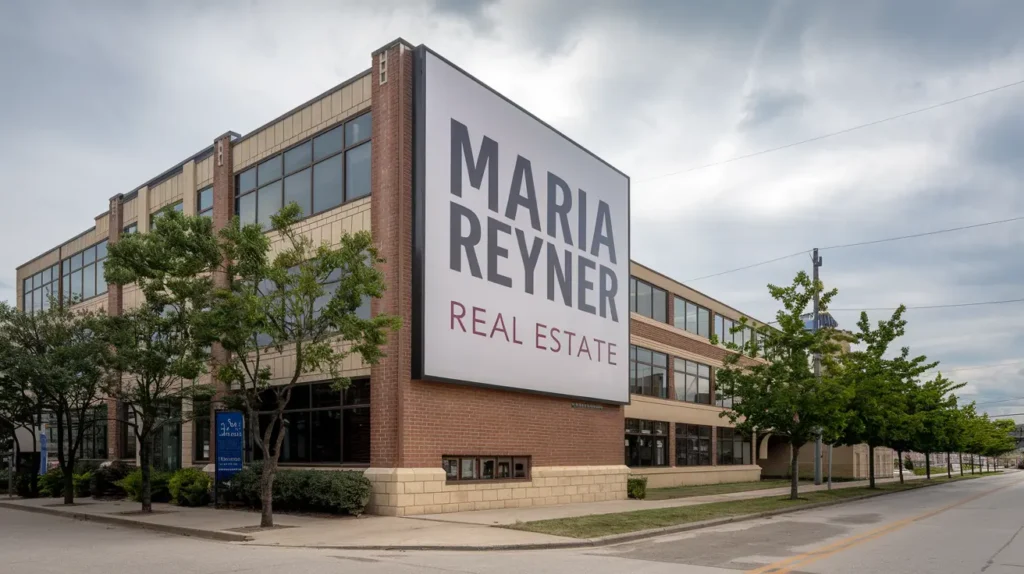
{"x": 124, "y": 417}
{"x": 693, "y": 445}
{"x": 646, "y": 443}
{"x": 201, "y": 430}
{"x": 167, "y": 438}
{"x": 733, "y": 447}
{"x": 486, "y": 467}
{"x": 94, "y": 437}
{"x": 322, "y": 425}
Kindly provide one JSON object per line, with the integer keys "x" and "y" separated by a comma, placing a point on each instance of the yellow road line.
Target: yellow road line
{"x": 784, "y": 566}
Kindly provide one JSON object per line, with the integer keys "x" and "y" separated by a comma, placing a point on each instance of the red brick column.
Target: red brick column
{"x": 223, "y": 211}
{"x": 115, "y": 221}
{"x": 391, "y": 224}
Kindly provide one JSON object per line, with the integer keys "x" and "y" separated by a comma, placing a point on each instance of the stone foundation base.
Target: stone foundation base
{"x": 409, "y": 491}
{"x": 695, "y": 475}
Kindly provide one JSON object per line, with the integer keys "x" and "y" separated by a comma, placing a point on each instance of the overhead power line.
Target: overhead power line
{"x": 862, "y": 243}
{"x": 1002, "y": 401}
{"x": 947, "y": 306}
{"x": 833, "y": 134}
{"x": 977, "y": 367}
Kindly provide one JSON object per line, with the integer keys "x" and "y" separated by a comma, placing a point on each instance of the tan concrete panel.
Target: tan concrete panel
{"x": 167, "y": 192}
{"x": 346, "y": 98}
{"x": 188, "y": 188}
{"x": 132, "y": 297}
{"x": 204, "y": 173}
{"x": 143, "y": 209}
{"x": 87, "y": 240}
{"x": 96, "y": 304}
{"x": 650, "y": 408}
{"x": 129, "y": 210}
{"x": 103, "y": 225}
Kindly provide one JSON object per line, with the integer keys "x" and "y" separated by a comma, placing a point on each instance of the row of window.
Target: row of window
{"x": 38, "y": 289}
{"x": 318, "y": 174}
{"x": 81, "y": 275}
{"x": 648, "y": 375}
{"x": 94, "y": 437}
{"x": 486, "y": 467}
{"x": 650, "y": 301}
{"x": 647, "y": 444}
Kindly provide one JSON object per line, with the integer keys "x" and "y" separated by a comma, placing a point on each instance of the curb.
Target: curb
{"x": 104, "y": 519}
{"x": 610, "y": 539}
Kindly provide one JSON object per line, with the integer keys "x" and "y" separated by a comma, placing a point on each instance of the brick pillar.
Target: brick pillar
{"x": 391, "y": 224}
{"x": 223, "y": 211}
{"x": 115, "y": 222}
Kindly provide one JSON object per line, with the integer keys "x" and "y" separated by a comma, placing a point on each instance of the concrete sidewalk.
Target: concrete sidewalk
{"x": 510, "y": 516}
{"x": 239, "y": 526}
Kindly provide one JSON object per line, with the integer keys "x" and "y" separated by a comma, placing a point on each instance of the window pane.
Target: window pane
{"x": 67, "y": 288}
{"x": 26, "y": 286}
{"x": 247, "y": 180}
{"x": 504, "y": 469}
{"x": 363, "y": 311}
{"x": 644, "y": 355}
{"x": 643, "y": 378}
{"x": 296, "y": 438}
{"x": 643, "y": 299}
{"x": 358, "y": 129}
{"x": 327, "y": 184}
{"x": 179, "y": 207}
{"x": 76, "y": 284}
{"x": 357, "y": 172}
{"x": 298, "y": 157}
{"x": 358, "y": 392}
{"x": 691, "y": 317}
{"x": 703, "y": 322}
{"x": 632, "y": 294}
{"x": 487, "y": 468}
{"x": 357, "y": 435}
{"x": 37, "y": 299}
{"x": 326, "y": 435}
{"x": 451, "y": 468}
{"x": 520, "y": 468}
{"x": 205, "y": 199}
{"x": 692, "y": 389}
{"x": 246, "y": 209}
{"x": 101, "y": 250}
{"x": 659, "y": 383}
{"x": 327, "y": 144}
{"x": 324, "y": 396}
{"x": 269, "y": 170}
{"x": 89, "y": 281}
{"x": 659, "y": 359}
{"x": 296, "y": 190}
{"x": 269, "y": 203}
{"x": 719, "y": 328}
{"x": 467, "y": 468}
{"x": 659, "y": 305}
{"x": 299, "y": 398}
{"x": 76, "y": 261}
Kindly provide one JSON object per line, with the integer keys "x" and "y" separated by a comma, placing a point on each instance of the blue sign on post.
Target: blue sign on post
{"x": 230, "y": 444}
{"x": 44, "y": 452}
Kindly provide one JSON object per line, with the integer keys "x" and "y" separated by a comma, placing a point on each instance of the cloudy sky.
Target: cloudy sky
{"x": 98, "y": 97}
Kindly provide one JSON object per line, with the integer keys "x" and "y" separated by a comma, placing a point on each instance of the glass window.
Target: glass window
{"x": 327, "y": 184}
{"x": 358, "y": 129}
{"x": 201, "y": 430}
{"x": 451, "y": 468}
{"x": 693, "y": 445}
{"x": 297, "y": 190}
{"x": 643, "y": 299}
{"x": 632, "y": 294}
{"x": 520, "y": 468}
{"x": 101, "y": 250}
{"x": 648, "y": 372}
{"x": 356, "y": 443}
{"x": 646, "y": 443}
{"x": 659, "y": 302}
{"x": 326, "y": 434}
{"x": 298, "y": 157}
{"x": 76, "y": 261}
{"x": 692, "y": 381}
{"x": 76, "y": 284}
{"x": 269, "y": 170}
{"x": 204, "y": 202}
{"x": 648, "y": 300}
{"x": 324, "y": 396}
{"x": 89, "y": 281}
{"x": 246, "y": 209}
{"x": 733, "y": 447}
{"x": 504, "y": 468}
{"x": 327, "y": 144}
{"x": 132, "y": 228}
{"x": 268, "y": 203}
{"x": 357, "y": 172}
{"x": 703, "y": 322}
{"x": 246, "y": 180}
{"x": 467, "y": 469}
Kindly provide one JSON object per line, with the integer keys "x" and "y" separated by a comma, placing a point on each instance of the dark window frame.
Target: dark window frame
{"x": 637, "y": 430}
{"x": 635, "y": 363}
{"x": 734, "y": 438}
{"x": 478, "y": 463}
{"x": 680, "y": 320}
{"x": 201, "y": 428}
{"x": 345, "y": 404}
{"x": 313, "y": 162}
{"x": 635, "y": 285}
{"x": 686, "y": 455}
{"x": 208, "y": 212}
{"x": 36, "y": 287}
{"x": 70, "y": 270}
{"x": 680, "y": 376}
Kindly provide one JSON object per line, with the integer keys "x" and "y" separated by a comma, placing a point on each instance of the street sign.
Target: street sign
{"x": 230, "y": 444}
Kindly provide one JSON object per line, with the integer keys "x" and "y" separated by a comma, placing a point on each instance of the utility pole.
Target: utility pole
{"x": 816, "y": 260}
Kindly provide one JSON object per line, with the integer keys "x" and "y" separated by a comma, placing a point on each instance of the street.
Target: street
{"x": 960, "y": 528}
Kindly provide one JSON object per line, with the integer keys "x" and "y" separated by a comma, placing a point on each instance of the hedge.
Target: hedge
{"x": 332, "y": 491}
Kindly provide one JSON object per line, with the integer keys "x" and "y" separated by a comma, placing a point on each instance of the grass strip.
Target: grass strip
{"x": 709, "y": 489}
{"x": 597, "y": 525}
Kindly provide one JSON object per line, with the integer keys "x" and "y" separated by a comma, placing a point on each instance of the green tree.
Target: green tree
{"x": 1000, "y": 438}
{"x": 782, "y": 393}
{"x": 20, "y": 407}
{"x": 56, "y": 351}
{"x": 158, "y": 348}
{"x": 301, "y": 296}
{"x": 933, "y": 402}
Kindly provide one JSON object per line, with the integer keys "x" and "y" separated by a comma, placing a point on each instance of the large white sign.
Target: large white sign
{"x": 522, "y": 247}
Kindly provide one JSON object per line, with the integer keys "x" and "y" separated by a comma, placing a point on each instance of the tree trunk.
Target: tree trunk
{"x": 928, "y": 465}
{"x": 899, "y": 453}
{"x": 972, "y": 463}
{"x": 267, "y": 492}
{"x": 871, "y": 466}
{"x": 145, "y": 456}
{"x": 794, "y": 471}
{"x": 69, "y": 485}
{"x": 960, "y": 455}
{"x": 949, "y": 465}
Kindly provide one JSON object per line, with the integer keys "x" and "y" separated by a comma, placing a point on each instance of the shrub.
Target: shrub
{"x": 333, "y": 491}
{"x": 190, "y": 487}
{"x": 158, "y": 491}
{"x": 5, "y": 476}
{"x": 52, "y": 483}
{"x": 105, "y": 479}
{"x": 83, "y": 484}
{"x": 637, "y": 487}
{"x": 23, "y": 484}
{"x": 908, "y": 464}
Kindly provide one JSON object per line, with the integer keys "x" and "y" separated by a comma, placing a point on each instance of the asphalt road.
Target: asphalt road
{"x": 960, "y": 528}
